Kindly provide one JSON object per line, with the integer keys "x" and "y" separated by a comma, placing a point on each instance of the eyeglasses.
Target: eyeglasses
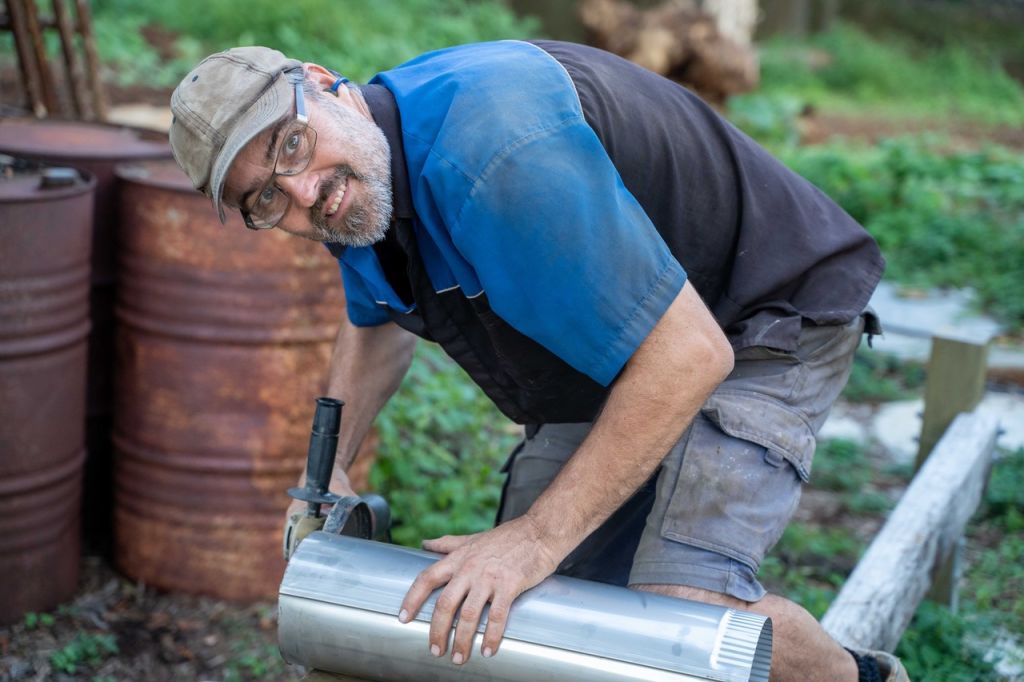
{"x": 297, "y": 143}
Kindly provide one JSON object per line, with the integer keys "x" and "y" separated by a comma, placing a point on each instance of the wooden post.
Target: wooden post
{"x": 26, "y": 58}
{"x": 31, "y": 14}
{"x": 67, "y": 42}
{"x": 881, "y": 595}
{"x": 956, "y": 384}
{"x": 92, "y": 60}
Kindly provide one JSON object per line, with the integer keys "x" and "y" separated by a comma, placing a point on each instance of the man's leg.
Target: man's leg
{"x": 801, "y": 649}
{"x": 729, "y": 487}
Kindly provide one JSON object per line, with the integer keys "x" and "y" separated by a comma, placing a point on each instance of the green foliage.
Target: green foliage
{"x": 770, "y": 118}
{"x": 86, "y": 649}
{"x": 254, "y": 662}
{"x": 868, "y": 503}
{"x": 938, "y": 646}
{"x": 942, "y": 219}
{"x": 130, "y": 59}
{"x": 1004, "y": 498}
{"x": 355, "y": 38}
{"x": 442, "y": 444}
{"x": 880, "y": 377}
{"x": 251, "y": 657}
{"x": 34, "y": 620}
{"x": 846, "y": 69}
{"x": 840, "y": 465}
{"x": 810, "y": 563}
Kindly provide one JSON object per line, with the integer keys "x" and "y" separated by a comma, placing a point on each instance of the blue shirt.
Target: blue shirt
{"x": 515, "y": 196}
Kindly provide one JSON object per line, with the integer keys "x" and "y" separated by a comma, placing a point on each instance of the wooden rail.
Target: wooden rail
{"x": 880, "y": 597}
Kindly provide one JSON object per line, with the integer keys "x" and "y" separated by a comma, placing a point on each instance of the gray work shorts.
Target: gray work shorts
{"x": 725, "y": 491}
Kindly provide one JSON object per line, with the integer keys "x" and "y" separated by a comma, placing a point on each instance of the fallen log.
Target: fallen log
{"x": 675, "y": 39}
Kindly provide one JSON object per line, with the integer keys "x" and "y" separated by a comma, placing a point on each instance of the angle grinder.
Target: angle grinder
{"x": 366, "y": 516}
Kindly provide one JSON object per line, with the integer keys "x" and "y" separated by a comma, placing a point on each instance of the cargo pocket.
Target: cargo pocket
{"x": 738, "y": 477}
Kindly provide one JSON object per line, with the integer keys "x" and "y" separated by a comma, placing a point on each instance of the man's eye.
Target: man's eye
{"x": 266, "y": 196}
{"x": 292, "y": 143}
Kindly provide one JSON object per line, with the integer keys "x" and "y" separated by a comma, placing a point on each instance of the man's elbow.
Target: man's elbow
{"x": 724, "y": 358}
{"x": 715, "y": 359}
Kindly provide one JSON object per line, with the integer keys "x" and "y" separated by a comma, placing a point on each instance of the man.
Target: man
{"x": 669, "y": 311}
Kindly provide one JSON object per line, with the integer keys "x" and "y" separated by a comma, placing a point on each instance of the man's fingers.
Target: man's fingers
{"x": 448, "y": 602}
{"x": 469, "y": 619}
{"x": 446, "y": 544}
{"x": 497, "y": 618}
{"x": 425, "y": 583}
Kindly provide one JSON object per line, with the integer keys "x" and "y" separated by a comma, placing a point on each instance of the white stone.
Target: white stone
{"x": 1009, "y": 408}
{"x": 937, "y": 312}
{"x": 840, "y": 425}
{"x": 911, "y": 322}
{"x": 897, "y": 425}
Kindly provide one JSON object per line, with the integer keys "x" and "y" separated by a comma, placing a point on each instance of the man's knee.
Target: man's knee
{"x": 695, "y": 594}
{"x": 779, "y": 609}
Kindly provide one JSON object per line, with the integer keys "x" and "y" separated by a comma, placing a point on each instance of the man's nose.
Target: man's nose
{"x": 302, "y": 188}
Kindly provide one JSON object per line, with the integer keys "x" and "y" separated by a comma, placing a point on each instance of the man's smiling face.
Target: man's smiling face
{"x": 344, "y": 193}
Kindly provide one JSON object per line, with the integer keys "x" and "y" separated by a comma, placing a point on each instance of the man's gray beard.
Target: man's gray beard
{"x": 366, "y": 222}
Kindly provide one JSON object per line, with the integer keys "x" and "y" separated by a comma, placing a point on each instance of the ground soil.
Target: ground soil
{"x": 818, "y": 127}
{"x": 160, "y": 637}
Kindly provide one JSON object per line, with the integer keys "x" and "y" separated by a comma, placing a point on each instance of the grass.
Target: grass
{"x": 848, "y": 71}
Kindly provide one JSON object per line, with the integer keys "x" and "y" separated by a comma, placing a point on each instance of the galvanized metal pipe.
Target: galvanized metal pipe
{"x": 340, "y": 597}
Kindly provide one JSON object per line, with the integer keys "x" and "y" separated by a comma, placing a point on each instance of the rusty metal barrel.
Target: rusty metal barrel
{"x": 224, "y": 338}
{"x": 45, "y": 232}
{"x": 95, "y": 148}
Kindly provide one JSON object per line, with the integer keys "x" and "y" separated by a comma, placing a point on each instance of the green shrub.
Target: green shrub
{"x": 442, "y": 444}
{"x": 87, "y": 649}
{"x": 941, "y": 218}
{"x": 1004, "y": 497}
{"x": 880, "y": 377}
{"x": 938, "y": 646}
{"x": 768, "y": 118}
{"x": 840, "y": 465}
{"x": 34, "y": 620}
{"x": 846, "y": 69}
{"x": 355, "y": 38}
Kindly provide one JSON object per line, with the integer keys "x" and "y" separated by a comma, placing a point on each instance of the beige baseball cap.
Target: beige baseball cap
{"x": 222, "y": 104}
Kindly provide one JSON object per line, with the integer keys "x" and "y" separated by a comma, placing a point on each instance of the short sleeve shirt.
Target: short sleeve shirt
{"x": 516, "y": 197}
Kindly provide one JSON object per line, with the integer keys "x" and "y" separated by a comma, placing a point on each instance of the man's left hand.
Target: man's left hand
{"x": 493, "y": 567}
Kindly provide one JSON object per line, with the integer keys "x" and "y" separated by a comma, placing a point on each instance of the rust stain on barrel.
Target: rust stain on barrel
{"x": 225, "y": 337}
{"x": 44, "y": 295}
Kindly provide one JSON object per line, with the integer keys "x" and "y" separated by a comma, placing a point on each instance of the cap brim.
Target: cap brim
{"x": 274, "y": 104}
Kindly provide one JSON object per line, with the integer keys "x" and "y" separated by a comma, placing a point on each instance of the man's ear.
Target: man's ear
{"x": 319, "y": 75}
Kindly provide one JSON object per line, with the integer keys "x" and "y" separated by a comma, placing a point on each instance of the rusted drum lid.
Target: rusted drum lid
{"x": 162, "y": 173}
{"x": 22, "y": 182}
{"x": 77, "y": 140}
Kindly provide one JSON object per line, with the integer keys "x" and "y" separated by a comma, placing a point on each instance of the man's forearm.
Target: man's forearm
{"x": 661, "y": 389}
{"x": 367, "y": 366}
